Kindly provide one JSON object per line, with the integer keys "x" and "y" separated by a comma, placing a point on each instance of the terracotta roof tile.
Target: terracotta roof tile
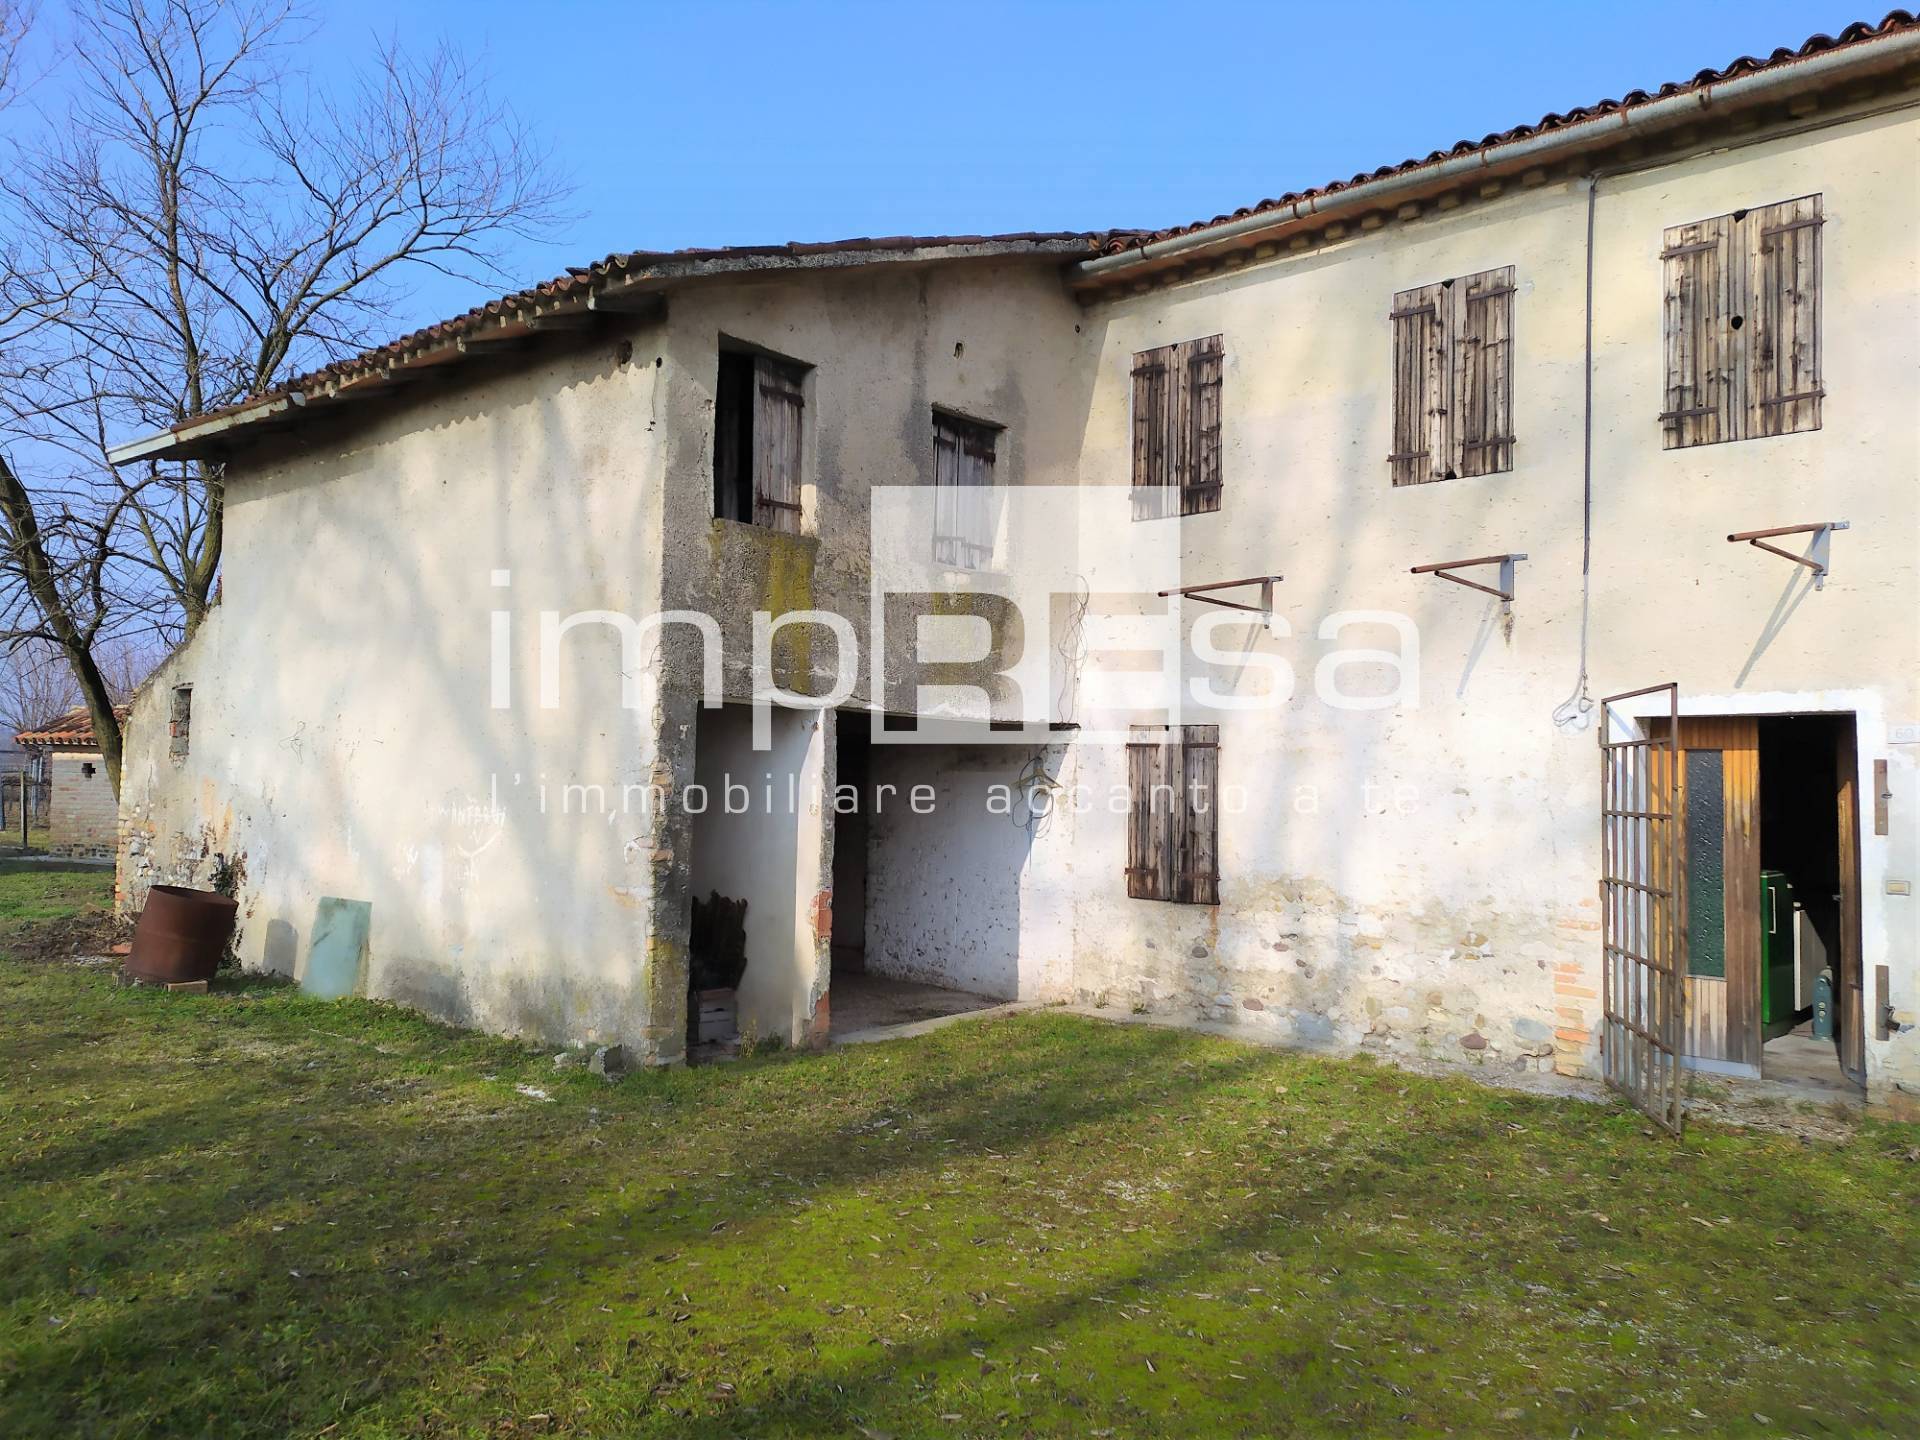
{"x": 73, "y": 730}
{"x": 581, "y": 280}
{"x": 1117, "y": 241}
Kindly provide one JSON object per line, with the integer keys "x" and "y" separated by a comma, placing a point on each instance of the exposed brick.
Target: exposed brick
{"x": 83, "y": 816}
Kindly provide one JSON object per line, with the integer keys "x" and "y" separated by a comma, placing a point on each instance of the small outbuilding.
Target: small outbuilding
{"x": 82, "y": 812}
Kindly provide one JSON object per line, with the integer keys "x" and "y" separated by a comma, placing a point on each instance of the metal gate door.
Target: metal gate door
{"x": 1642, "y": 904}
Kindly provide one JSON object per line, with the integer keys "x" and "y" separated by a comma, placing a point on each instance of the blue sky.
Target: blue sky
{"x": 732, "y": 123}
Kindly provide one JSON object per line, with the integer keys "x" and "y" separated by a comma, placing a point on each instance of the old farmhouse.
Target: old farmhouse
{"x": 1619, "y": 404}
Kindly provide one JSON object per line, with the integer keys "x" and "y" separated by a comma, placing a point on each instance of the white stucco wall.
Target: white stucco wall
{"x": 995, "y": 341}
{"x": 344, "y": 737}
{"x": 1448, "y": 899}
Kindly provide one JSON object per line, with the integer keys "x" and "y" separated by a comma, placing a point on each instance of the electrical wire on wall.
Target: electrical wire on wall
{"x": 1072, "y": 646}
{"x": 1574, "y": 713}
{"x": 1033, "y": 814}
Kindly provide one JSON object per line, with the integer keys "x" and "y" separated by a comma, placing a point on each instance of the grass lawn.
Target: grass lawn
{"x": 250, "y": 1213}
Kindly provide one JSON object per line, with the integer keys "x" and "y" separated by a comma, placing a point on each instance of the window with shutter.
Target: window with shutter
{"x": 759, "y": 405}
{"x": 1177, "y": 468}
{"x": 1741, "y": 325}
{"x": 1453, "y": 379}
{"x": 1173, "y": 816}
{"x": 966, "y": 515}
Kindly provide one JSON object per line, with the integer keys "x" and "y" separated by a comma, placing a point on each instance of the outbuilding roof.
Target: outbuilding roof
{"x": 72, "y": 731}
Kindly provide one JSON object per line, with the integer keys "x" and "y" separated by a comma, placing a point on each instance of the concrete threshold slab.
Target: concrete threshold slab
{"x": 939, "y": 1022}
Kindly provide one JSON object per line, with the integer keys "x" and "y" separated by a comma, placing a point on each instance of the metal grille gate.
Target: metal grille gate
{"x": 1642, "y": 905}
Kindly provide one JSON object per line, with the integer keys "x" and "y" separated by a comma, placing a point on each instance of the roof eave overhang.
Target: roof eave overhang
{"x": 1234, "y": 242}
{"x": 636, "y": 287}
{"x": 196, "y": 437}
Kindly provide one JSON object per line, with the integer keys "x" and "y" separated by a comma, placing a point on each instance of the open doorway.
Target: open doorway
{"x": 1806, "y": 900}
{"x": 926, "y": 878}
{"x": 1771, "y": 869}
{"x": 753, "y": 870}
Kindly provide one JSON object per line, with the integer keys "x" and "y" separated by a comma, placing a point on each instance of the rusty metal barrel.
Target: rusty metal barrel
{"x": 181, "y": 935}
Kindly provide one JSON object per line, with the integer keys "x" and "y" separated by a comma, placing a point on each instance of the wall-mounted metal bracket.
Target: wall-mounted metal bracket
{"x": 1203, "y": 593}
{"x": 1504, "y": 594}
{"x": 1816, "y": 562}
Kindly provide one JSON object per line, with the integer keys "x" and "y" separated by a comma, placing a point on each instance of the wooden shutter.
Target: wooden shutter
{"x": 964, "y": 519}
{"x": 1150, "y": 813}
{"x": 1782, "y": 329}
{"x": 978, "y": 514}
{"x": 1173, "y": 814}
{"x": 1199, "y": 865}
{"x": 1199, "y": 365}
{"x": 1153, "y": 462}
{"x": 1483, "y": 373}
{"x": 1422, "y": 377}
{"x": 1704, "y": 403}
{"x": 1176, "y": 428}
{"x": 776, "y": 445}
{"x": 946, "y": 500}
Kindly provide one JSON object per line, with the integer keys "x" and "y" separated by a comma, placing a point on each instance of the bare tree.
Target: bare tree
{"x": 15, "y": 20}
{"x": 198, "y": 227}
{"x": 36, "y": 689}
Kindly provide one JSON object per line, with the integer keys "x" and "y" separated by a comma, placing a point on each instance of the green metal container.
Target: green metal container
{"x": 1776, "y": 953}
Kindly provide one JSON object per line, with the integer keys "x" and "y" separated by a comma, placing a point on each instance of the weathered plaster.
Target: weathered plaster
{"x": 344, "y": 738}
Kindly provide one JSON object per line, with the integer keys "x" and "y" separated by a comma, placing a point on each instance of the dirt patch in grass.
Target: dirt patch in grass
{"x": 53, "y": 913}
{"x": 253, "y": 1213}
{"x": 67, "y": 939}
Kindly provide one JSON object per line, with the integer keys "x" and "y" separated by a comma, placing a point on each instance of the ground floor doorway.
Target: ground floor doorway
{"x": 753, "y": 873}
{"x": 1770, "y": 874}
{"x": 926, "y": 877}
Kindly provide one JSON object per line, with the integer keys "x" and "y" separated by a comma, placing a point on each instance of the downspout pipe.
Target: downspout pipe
{"x": 1860, "y": 59}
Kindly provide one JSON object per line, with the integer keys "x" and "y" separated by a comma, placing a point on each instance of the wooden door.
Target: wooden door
{"x": 1719, "y": 803}
{"x": 1851, "y": 998}
{"x": 1642, "y": 905}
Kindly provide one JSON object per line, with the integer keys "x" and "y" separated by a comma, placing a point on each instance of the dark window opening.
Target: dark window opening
{"x": 180, "y": 721}
{"x": 733, "y": 439}
{"x": 758, "y": 405}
